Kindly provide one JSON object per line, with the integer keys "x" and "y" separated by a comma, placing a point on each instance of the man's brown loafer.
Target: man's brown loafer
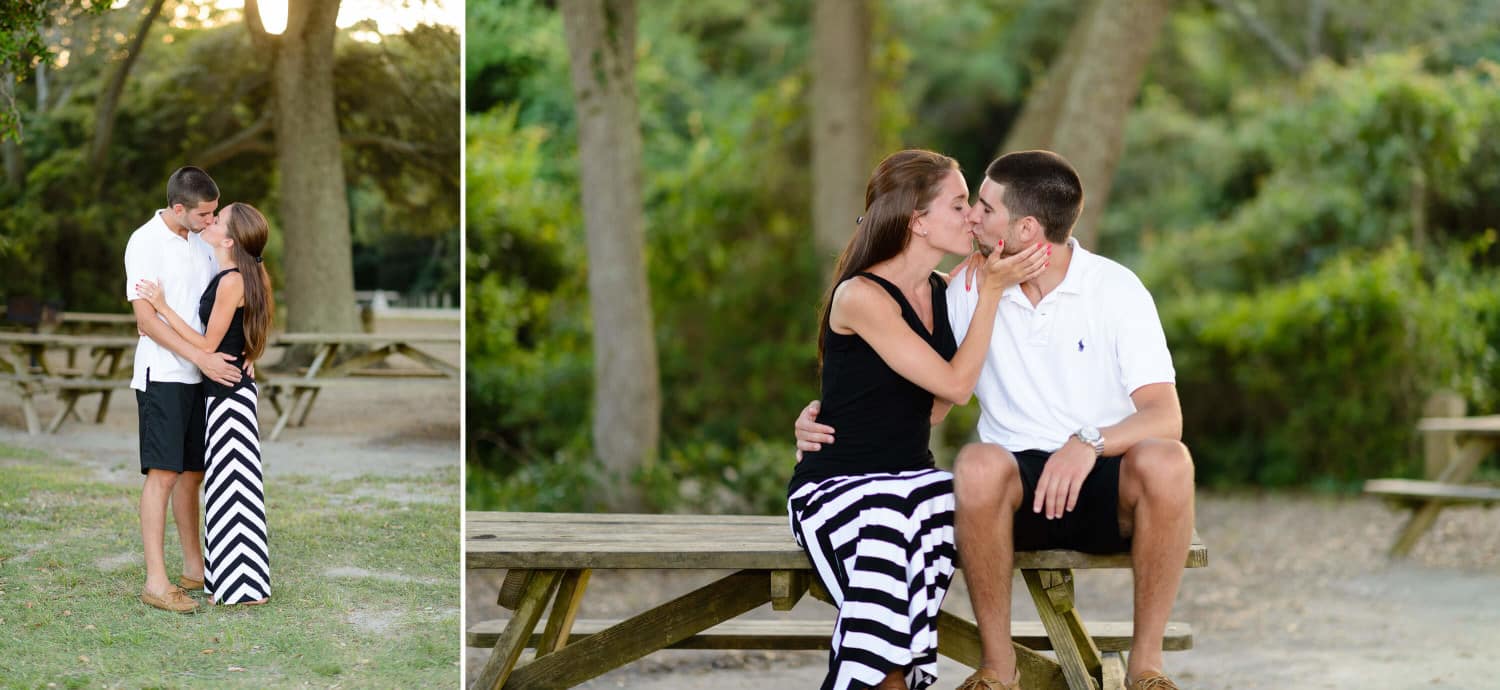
{"x": 985, "y": 679}
{"x": 174, "y": 600}
{"x": 189, "y": 583}
{"x": 1151, "y": 680}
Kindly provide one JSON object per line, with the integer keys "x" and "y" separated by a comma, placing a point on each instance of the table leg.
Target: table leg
{"x": 306, "y": 409}
{"x": 632, "y": 639}
{"x": 68, "y": 399}
{"x": 1458, "y": 471}
{"x": 958, "y": 639}
{"x": 1114, "y": 671}
{"x": 1052, "y": 592}
{"x": 518, "y": 632}
{"x": 28, "y": 408}
{"x": 564, "y": 611}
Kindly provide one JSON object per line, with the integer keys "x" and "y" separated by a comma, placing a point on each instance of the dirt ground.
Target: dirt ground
{"x": 1298, "y": 594}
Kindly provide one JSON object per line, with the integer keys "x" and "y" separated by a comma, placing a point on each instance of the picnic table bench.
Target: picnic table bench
{"x": 548, "y": 558}
{"x": 25, "y": 363}
{"x": 304, "y": 386}
{"x": 1477, "y": 437}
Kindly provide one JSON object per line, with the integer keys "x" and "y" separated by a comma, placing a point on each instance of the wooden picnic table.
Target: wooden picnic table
{"x": 24, "y": 362}
{"x": 305, "y": 388}
{"x": 548, "y": 557}
{"x": 1477, "y": 437}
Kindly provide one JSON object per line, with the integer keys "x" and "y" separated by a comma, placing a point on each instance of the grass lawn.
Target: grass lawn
{"x": 365, "y": 588}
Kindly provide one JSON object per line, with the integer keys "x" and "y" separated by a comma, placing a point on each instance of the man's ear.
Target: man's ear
{"x": 1032, "y": 231}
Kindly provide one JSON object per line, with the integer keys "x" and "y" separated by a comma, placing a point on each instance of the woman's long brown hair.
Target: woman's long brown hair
{"x": 903, "y": 184}
{"x": 249, "y": 230}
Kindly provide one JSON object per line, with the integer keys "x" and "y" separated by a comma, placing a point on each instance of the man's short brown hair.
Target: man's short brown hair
{"x": 1043, "y": 185}
{"x": 190, "y": 186}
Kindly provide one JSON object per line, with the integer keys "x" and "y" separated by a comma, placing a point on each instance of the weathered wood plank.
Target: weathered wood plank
{"x": 1079, "y": 666}
{"x": 1484, "y": 425}
{"x": 564, "y": 612}
{"x": 787, "y": 588}
{"x": 958, "y": 639}
{"x": 1114, "y": 671}
{"x": 655, "y": 629}
{"x": 513, "y": 588}
{"x": 1436, "y": 491}
{"x": 728, "y": 542}
{"x": 517, "y": 633}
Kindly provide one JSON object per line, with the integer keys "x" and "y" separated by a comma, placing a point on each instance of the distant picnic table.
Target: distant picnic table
{"x": 28, "y": 362}
{"x": 1477, "y": 438}
{"x": 548, "y": 558}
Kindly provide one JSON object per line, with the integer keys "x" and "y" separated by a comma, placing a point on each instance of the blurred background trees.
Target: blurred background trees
{"x": 1308, "y": 189}
{"x": 113, "y": 101}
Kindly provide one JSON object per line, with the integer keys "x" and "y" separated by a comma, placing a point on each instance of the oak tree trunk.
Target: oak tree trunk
{"x": 843, "y": 128}
{"x": 314, "y": 208}
{"x": 627, "y": 401}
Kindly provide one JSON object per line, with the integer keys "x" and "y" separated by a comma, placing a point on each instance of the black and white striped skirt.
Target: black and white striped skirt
{"x": 882, "y": 545}
{"x": 236, "y": 562}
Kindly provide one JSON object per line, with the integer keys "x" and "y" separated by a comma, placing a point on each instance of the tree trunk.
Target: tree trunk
{"x": 843, "y": 128}
{"x": 109, "y": 101}
{"x": 1033, "y": 129}
{"x": 627, "y": 401}
{"x": 314, "y": 207}
{"x": 1082, "y": 105}
{"x": 1090, "y": 132}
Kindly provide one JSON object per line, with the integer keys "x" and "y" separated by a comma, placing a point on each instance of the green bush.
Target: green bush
{"x": 1324, "y": 378}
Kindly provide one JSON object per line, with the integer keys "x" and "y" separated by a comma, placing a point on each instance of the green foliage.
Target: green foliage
{"x": 1324, "y": 377}
{"x": 1317, "y": 240}
{"x": 194, "y": 88}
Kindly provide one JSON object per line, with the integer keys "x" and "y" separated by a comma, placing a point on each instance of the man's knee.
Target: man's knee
{"x": 984, "y": 473}
{"x": 162, "y": 479}
{"x": 1162, "y": 467}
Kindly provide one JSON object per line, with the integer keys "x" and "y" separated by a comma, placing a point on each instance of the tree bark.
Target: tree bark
{"x": 627, "y": 401}
{"x": 1034, "y": 127}
{"x": 314, "y": 207}
{"x": 1083, "y": 103}
{"x": 109, "y": 101}
{"x": 843, "y": 128}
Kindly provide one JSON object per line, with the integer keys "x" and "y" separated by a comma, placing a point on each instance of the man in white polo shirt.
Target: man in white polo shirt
{"x": 168, "y": 251}
{"x": 1080, "y": 422}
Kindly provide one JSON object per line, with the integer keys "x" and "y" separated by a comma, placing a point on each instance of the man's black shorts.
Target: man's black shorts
{"x": 172, "y": 426}
{"x": 1093, "y": 526}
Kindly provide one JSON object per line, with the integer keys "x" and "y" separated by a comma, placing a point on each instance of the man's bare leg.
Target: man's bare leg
{"x": 987, "y": 489}
{"x": 154, "y": 495}
{"x": 1156, "y": 508}
{"x": 185, "y": 510}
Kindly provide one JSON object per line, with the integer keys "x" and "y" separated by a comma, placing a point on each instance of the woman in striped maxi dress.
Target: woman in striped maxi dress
{"x": 236, "y": 312}
{"x": 873, "y": 513}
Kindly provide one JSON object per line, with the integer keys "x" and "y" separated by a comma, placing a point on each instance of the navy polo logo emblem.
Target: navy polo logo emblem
{"x": 1080, "y": 346}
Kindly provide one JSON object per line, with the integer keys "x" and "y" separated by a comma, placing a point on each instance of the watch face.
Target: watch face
{"x": 1089, "y": 433}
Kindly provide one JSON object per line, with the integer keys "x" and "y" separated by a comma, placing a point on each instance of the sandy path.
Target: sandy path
{"x": 1298, "y": 594}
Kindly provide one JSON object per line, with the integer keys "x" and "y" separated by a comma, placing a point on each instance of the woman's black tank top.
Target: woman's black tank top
{"x": 234, "y": 338}
{"x": 881, "y": 420}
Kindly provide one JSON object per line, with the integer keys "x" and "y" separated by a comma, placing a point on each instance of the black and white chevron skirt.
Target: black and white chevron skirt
{"x": 236, "y": 563}
{"x": 882, "y": 545}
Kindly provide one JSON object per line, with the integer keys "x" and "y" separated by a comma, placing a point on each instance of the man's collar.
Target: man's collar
{"x": 159, "y": 221}
{"x": 1078, "y": 269}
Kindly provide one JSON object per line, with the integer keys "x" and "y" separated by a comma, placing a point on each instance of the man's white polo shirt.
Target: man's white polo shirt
{"x": 1069, "y": 362}
{"x": 183, "y": 267}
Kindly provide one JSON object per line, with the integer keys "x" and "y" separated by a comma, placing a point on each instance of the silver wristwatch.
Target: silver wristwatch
{"x": 1091, "y": 436}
